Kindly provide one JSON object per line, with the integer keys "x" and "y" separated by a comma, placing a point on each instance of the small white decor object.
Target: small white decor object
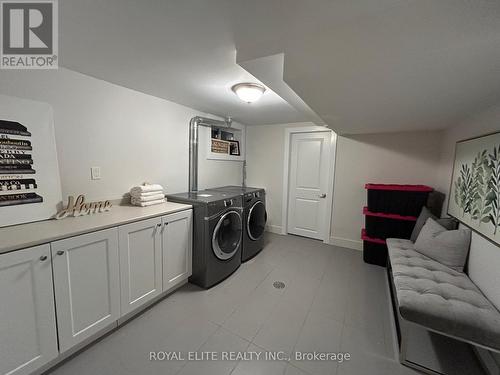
{"x": 78, "y": 207}
{"x": 147, "y": 195}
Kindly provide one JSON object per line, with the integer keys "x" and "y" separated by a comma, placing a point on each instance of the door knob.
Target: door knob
{"x": 322, "y": 195}
{"x": 60, "y": 252}
{"x": 43, "y": 258}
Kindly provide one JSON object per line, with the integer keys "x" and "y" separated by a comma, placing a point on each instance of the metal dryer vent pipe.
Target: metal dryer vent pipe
{"x": 196, "y": 122}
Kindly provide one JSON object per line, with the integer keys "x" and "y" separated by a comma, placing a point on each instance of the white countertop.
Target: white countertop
{"x": 21, "y": 236}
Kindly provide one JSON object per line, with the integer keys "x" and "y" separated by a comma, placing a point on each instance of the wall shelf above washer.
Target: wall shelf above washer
{"x": 237, "y": 133}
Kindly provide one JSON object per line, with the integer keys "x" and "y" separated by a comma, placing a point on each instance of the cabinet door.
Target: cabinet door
{"x": 176, "y": 245}
{"x": 87, "y": 285}
{"x": 140, "y": 263}
{"x": 27, "y": 316}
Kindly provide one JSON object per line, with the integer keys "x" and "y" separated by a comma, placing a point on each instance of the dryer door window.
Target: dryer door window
{"x": 256, "y": 222}
{"x": 227, "y": 235}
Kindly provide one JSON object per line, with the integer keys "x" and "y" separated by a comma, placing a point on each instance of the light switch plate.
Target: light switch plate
{"x": 95, "y": 173}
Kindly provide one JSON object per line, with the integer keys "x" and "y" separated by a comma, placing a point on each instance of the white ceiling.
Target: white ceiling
{"x": 178, "y": 50}
{"x": 359, "y": 66}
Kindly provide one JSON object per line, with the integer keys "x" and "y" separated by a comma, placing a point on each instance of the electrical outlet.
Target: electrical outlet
{"x": 95, "y": 173}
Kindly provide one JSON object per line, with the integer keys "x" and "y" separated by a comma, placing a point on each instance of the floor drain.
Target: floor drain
{"x": 279, "y": 284}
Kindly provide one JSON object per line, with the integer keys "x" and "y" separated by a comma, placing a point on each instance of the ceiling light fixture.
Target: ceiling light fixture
{"x": 248, "y": 92}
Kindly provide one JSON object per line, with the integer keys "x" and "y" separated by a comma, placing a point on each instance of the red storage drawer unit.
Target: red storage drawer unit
{"x": 406, "y": 200}
{"x": 382, "y": 225}
{"x": 374, "y": 250}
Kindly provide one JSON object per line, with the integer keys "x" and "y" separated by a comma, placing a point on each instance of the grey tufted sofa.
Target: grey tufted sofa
{"x": 427, "y": 293}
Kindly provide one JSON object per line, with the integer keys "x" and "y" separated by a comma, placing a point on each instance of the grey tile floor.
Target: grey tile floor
{"x": 332, "y": 302}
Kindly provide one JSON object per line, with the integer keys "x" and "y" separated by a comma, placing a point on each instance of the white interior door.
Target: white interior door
{"x": 309, "y": 176}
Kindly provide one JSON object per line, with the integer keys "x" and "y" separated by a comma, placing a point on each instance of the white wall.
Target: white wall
{"x": 485, "y": 122}
{"x": 385, "y": 158}
{"x": 484, "y": 257}
{"x": 484, "y": 260}
{"x": 212, "y": 173}
{"x": 404, "y": 158}
{"x": 132, "y": 136}
{"x": 265, "y": 160}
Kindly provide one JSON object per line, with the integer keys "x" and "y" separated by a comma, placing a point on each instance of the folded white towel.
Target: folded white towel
{"x": 146, "y": 188}
{"x": 148, "y": 198}
{"x": 146, "y": 194}
{"x": 150, "y": 203}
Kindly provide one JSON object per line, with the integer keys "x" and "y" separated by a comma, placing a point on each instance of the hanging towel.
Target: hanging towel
{"x": 150, "y": 203}
{"x": 145, "y": 189}
{"x": 148, "y": 199}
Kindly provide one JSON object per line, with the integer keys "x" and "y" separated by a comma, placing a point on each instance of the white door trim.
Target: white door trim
{"x": 331, "y": 173}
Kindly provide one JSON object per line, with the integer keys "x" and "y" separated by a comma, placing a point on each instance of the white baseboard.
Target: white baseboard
{"x": 336, "y": 241}
{"x": 274, "y": 229}
{"x": 347, "y": 242}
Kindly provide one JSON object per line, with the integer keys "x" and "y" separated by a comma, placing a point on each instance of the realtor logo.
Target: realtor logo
{"x": 29, "y": 34}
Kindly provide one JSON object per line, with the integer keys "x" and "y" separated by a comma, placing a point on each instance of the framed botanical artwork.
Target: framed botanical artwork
{"x": 234, "y": 148}
{"x": 475, "y": 185}
{"x": 30, "y": 188}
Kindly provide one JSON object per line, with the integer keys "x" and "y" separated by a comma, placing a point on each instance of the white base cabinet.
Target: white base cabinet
{"x": 140, "y": 263}
{"x": 87, "y": 282}
{"x": 155, "y": 257}
{"x": 27, "y": 316}
{"x": 87, "y": 285}
{"x": 177, "y": 236}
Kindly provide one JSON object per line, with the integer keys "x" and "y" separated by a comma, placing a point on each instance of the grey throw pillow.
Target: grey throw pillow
{"x": 448, "y": 247}
{"x": 448, "y": 223}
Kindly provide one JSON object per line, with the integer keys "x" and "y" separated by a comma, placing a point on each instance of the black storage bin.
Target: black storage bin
{"x": 374, "y": 250}
{"x": 383, "y": 226}
{"x": 397, "y": 199}
{"x": 375, "y": 253}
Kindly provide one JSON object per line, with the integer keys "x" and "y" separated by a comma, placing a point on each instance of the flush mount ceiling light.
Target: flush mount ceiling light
{"x": 248, "y": 92}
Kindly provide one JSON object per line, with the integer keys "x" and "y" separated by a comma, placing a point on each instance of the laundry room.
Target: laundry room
{"x": 268, "y": 187}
